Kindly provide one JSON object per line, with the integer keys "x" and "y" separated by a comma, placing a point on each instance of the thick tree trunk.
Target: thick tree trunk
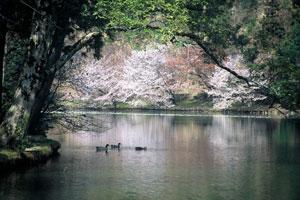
{"x": 56, "y": 62}
{"x": 17, "y": 118}
{"x": 45, "y": 87}
{"x": 43, "y": 60}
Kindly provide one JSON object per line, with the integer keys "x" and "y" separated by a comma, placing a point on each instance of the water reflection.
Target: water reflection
{"x": 188, "y": 157}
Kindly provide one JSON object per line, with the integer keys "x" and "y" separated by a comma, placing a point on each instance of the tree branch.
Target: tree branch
{"x": 75, "y": 48}
{"x": 196, "y": 39}
{"x": 263, "y": 89}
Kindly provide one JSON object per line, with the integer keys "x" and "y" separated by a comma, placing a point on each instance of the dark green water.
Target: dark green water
{"x": 188, "y": 157}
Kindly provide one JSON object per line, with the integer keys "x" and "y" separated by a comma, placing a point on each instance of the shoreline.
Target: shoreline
{"x": 266, "y": 112}
{"x": 187, "y": 105}
{"x": 39, "y": 152}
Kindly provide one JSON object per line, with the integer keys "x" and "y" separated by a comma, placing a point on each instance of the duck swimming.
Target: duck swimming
{"x": 100, "y": 148}
{"x": 140, "y": 148}
{"x": 113, "y": 146}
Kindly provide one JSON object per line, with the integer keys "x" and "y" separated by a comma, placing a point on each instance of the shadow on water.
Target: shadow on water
{"x": 187, "y": 157}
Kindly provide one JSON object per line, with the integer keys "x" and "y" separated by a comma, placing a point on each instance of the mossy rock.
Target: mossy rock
{"x": 8, "y": 154}
{"x": 40, "y": 149}
{"x": 43, "y": 143}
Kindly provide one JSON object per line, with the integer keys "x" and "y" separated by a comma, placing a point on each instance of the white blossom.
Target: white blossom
{"x": 228, "y": 89}
{"x": 141, "y": 80}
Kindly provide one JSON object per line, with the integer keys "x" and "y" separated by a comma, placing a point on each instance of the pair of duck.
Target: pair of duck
{"x": 118, "y": 146}
{"x": 113, "y": 146}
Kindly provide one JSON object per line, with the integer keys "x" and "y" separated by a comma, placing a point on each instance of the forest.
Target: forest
{"x": 134, "y": 53}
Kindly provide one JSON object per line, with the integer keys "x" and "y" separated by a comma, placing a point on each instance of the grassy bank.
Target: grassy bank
{"x": 37, "y": 150}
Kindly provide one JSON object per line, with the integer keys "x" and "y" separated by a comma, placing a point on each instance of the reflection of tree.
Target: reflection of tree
{"x": 75, "y": 122}
{"x": 285, "y": 142}
{"x": 230, "y": 130}
{"x": 246, "y": 156}
{"x": 206, "y": 155}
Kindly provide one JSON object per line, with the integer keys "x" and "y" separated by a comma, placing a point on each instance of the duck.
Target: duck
{"x": 100, "y": 148}
{"x": 113, "y": 146}
{"x": 140, "y": 148}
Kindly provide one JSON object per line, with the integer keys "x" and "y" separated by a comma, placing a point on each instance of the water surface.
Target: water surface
{"x": 188, "y": 157}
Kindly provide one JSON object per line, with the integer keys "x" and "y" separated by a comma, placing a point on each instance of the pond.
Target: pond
{"x": 188, "y": 157}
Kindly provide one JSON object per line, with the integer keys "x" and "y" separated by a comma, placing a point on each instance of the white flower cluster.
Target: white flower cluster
{"x": 140, "y": 80}
{"x": 228, "y": 89}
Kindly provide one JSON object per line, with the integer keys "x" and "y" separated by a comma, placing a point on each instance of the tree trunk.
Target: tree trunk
{"x": 42, "y": 61}
{"x": 44, "y": 90}
{"x": 3, "y": 31}
{"x": 56, "y": 62}
{"x": 17, "y": 118}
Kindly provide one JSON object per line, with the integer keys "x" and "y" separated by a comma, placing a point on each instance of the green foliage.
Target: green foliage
{"x": 283, "y": 66}
{"x": 161, "y": 20}
{"x": 286, "y": 68}
{"x": 250, "y": 26}
{"x": 272, "y": 29}
{"x": 250, "y": 54}
{"x": 165, "y": 17}
{"x": 275, "y": 37}
{"x": 248, "y": 3}
{"x": 138, "y": 38}
{"x": 211, "y": 21}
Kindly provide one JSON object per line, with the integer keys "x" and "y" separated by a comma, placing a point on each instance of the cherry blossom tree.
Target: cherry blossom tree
{"x": 227, "y": 89}
{"x": 138, "y": 78}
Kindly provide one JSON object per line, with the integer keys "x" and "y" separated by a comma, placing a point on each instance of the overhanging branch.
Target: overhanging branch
{"x": 75, "y": 48}
{"x": 263, "y": 89}
{"x": 196, "y": 39}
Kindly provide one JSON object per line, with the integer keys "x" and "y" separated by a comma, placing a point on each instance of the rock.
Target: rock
{"x": 40, "y": 151}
